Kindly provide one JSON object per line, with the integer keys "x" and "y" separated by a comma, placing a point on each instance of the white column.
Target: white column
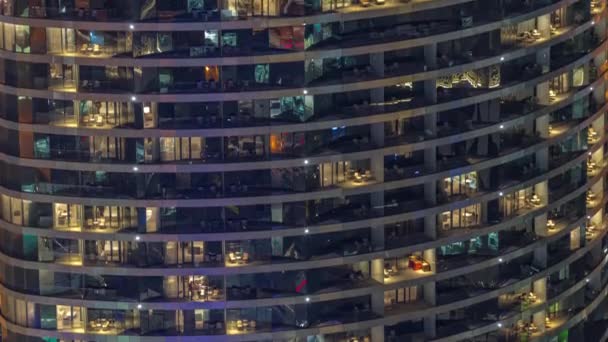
{"x": 377, "y": 198}
{"x": 543, "y": 25}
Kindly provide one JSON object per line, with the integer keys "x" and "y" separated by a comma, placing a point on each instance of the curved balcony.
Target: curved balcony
{"x": 318, "y": 228}
{"x": 262, "y": 267}
{"x": 102, "y": 22}
{"x": 359, "y": 222}
{"x": 461, "y": 102}
{"x": 346, "y": 292}
{"x": 78, "y": 18}
{"x": 388, "y": 319}
{"x": 323, "y": 123}
{"x": 82, "y": 194}
{"x": 446, "y": 100}
{"x": 287, "y": 56}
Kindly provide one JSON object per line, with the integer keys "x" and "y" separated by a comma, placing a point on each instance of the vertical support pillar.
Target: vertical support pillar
{"x": 539, "y": 287}
{"x": 377, "y": 199}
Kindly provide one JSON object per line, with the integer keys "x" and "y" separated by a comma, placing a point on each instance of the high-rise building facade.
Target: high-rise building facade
{"x": 301, "y": 170}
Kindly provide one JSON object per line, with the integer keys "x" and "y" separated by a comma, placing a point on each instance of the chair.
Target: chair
{"x": 252, "y": 324}
{"x": 231, "y": 257}
{"x": 239, "y": 324}
{"x": 245, "y": 257}
{"x": 96, "y": 49}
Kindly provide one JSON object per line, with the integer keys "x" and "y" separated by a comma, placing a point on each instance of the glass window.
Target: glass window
{"x": 2, "y": 36}
{"x": 464, "y": 184}
{"x": 69, "y": 317}
{"x": 9, "y": 37}
{"x": 20, "y": 312}
{"x": 106, "y": 147}
{"x": 17, "y": 211}
{"x": 330, "y": 5}
{"x": 152, "y": 220}
{"x": 578, "y": 76}
{"x": 460, "y": 218}
{"x": 262, "y": 73}
{"x": 200, "y": 317}
{"x": 22, "y": 38}
{"x": 401, "y": 295}
{"x": 164, "y": 42}
{"x": 66, "y": 215}
{"x": 184, "y": 148}
{"x": 287, "y": 37}
{"x": 511, "y": 203}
